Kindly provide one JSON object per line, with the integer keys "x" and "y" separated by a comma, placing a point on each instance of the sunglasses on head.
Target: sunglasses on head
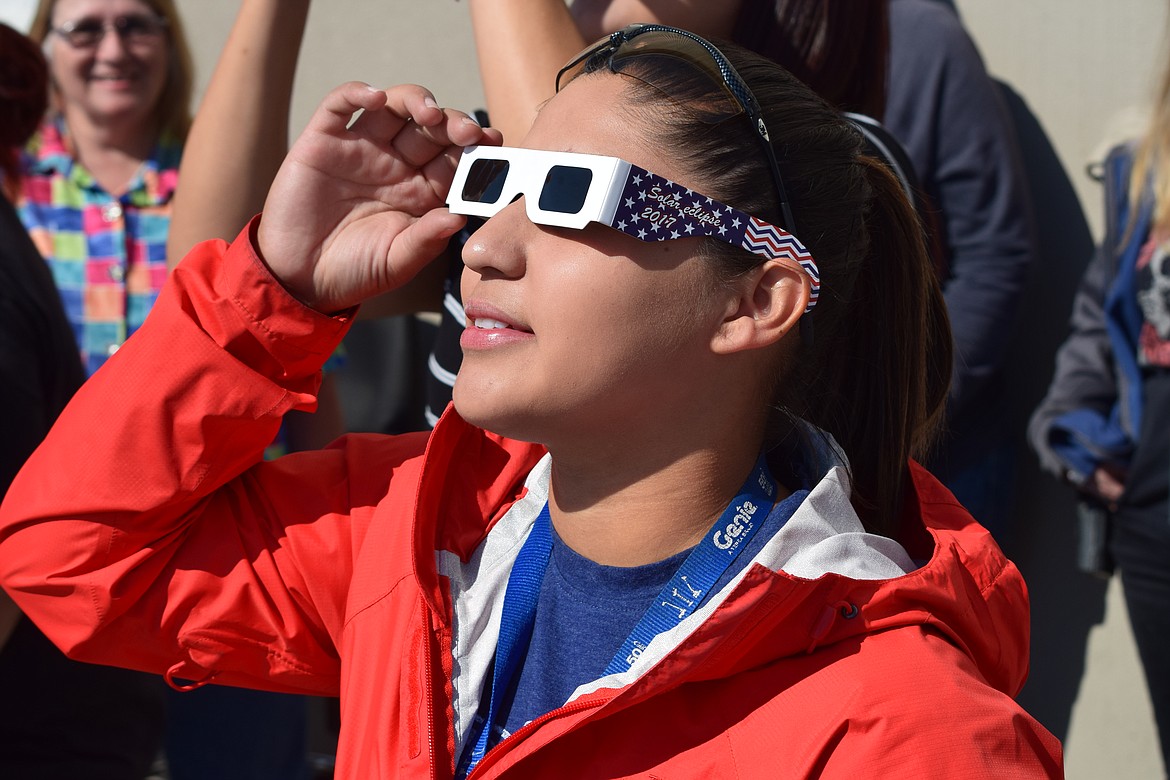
{"x": 570, "y": 190}
{"x": 615, "y": 51}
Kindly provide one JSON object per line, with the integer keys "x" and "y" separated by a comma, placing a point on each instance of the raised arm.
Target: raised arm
{"x": 240, "y": 132}
{"x": 147, "y": 534}
{"x": 521, "y": 44}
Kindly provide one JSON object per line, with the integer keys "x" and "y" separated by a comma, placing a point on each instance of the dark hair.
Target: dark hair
{"x": 840, "y": 48}
{"x": 24, "y": 94}
{"x": 878, "y": 368}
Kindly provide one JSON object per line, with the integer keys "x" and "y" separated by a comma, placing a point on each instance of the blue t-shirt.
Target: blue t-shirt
{"x": 586, "y": 611}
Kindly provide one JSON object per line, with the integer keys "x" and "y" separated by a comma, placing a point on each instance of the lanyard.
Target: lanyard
{"x": 681, "y": 596}
{"x": 515, "y": 623}
{"x": 703, "y": 567}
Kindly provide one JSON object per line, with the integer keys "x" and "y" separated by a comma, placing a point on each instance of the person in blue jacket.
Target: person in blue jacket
{"x": 1102, "y": 426}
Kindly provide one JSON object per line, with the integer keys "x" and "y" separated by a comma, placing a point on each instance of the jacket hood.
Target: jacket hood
{"x": 967, "y": 591}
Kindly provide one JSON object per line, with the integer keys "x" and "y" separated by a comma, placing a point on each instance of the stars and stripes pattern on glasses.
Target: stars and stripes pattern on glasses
{"x": 654, "y": 208}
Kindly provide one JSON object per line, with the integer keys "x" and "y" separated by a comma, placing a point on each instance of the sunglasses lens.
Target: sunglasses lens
{"x": 617, "y": 56}
{"x": 137, "y": 26}
{"x": 565, "y": 188}
{"x": 485, "y": 181}
{"x": 87, "y": 32}
{"x": 668, "y": 45}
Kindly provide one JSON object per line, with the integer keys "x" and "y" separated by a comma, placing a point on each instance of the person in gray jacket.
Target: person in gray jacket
{"x": 1102, "y": 427}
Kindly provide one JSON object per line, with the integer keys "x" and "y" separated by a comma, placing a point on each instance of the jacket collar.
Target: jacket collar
{"x": 966, "y": 590}
{"x": 470, "y": 478}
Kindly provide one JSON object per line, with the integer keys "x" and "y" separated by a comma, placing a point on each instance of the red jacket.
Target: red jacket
{"x": 146, "y": 532}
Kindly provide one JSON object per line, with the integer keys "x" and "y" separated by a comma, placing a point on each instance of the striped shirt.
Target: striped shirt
{"x": 107, "y": 253}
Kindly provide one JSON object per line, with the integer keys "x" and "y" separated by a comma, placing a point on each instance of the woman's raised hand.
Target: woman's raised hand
{"x": 357, "y": 207}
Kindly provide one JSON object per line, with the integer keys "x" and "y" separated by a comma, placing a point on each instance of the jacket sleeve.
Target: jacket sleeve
{"x": 1074, "y": 428}
{"x": 936, "y": 718}
{"x": 1002, "y": 742}
{"x": 951, "y": 118}
{"x": 39, "y": 363}
{"x": 148, "y": 532}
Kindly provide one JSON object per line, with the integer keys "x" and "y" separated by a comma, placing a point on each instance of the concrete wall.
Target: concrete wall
{"x": 382, "y": 42}
{"x": 1075, "y": 72}
{"x": 1085, "y": 68}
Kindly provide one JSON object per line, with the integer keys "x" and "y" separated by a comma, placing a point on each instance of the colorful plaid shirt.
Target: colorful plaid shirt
{"x": 107, "y": 253}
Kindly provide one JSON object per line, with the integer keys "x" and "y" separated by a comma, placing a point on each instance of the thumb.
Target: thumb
{"x": 421, "y": 242}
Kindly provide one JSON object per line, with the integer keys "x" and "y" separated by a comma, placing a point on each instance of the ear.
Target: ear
{"x": 770, "y": 301}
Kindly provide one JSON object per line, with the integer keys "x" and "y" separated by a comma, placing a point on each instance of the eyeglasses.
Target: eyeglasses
{"x": 131, "y": 29}
{"x": 570, "y": 190}
{"x": 640, "y": 40}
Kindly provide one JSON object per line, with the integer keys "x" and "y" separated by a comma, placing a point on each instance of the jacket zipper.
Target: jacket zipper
{"x": 431, "y": 718}
{"x": 429, "y": 689}
{"x": 528, "y": 728}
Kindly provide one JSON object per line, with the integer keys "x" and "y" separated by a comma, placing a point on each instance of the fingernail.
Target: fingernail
{"x": 429, "y": 102}
{"x": 470, "y": 121}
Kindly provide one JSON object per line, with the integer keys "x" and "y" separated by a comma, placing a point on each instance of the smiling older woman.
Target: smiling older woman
{"x": 636, "y": 546}
{"x": 96, "y": 196}
{"x": 98, "y": 181}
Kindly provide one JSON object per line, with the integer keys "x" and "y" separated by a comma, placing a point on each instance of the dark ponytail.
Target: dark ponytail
{"x": 876, "y": 373}
{"x": 884, "y": 369}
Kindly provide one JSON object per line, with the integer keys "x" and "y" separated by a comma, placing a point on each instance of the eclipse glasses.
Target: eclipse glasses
{"x": 570, "y": 190}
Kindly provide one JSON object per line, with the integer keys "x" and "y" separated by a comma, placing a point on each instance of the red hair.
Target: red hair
{"x": 24, "y": 95}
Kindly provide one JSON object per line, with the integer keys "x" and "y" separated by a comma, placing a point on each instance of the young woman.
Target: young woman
{"x": 635, "y": 547}
{"x": 907, "y": 63}
{"x": 1101, "y": 428}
